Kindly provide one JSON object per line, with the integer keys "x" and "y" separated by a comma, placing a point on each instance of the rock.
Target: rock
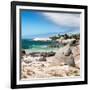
{"x": 64, "y": 55}
{"x": 67, "y": 52}
{"x": 76, "y": 50}
{"x": 70, "y": 61}
{"x": 29, "y": 72}
{"x": 24, "y": 75}
{"x": 35, "y": 54}
{"x": 77, "y": 64}
{"x": 27, "y": 61}
{"x": 51, "y": 54}
{"x": 42, "y": 65}
{"x": 67, "y": 41}
{"x": 47, "y": 54}
{"x": 44, "y": 54}
{"x": 72, "y": 42}
{"x": 73, "y": 71}
{"x": 42, "y": 59}
{"x": 23, "y": 52}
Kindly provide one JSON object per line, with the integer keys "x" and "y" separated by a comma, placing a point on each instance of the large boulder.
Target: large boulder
{"x": 64, "y": 55}
{"x": 67, "y": 52}
{"x": 70, "y": 61}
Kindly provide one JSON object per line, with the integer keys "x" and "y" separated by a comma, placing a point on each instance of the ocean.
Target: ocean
{"x": 39, "y": 46}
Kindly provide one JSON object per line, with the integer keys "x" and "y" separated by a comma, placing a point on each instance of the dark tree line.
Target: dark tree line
{"x": 66, "y": 36}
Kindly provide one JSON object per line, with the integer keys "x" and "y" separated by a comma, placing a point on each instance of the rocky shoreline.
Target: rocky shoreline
{"x": 63, "y": 63}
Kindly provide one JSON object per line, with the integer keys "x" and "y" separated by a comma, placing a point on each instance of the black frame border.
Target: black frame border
{"x": 13, "y": 44}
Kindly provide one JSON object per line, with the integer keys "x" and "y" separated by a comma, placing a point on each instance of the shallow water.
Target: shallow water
{"x": 39, "y": 46}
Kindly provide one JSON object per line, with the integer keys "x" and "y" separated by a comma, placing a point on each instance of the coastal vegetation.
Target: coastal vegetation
{"x": 66, "y": 36}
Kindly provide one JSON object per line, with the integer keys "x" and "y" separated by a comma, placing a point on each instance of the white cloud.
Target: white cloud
{"x": 64, "y": 19}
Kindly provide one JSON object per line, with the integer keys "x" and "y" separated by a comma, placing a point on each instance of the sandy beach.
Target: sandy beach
{"x": 65, "y": 62}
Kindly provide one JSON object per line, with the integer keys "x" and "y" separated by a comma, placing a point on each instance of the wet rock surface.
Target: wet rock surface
{"x": 44, "y": 54}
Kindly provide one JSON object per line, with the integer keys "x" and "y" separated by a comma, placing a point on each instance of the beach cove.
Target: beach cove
{"x": 51, "y": 61}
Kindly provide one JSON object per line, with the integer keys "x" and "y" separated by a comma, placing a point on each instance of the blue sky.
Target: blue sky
{"x": 44, "y": 24}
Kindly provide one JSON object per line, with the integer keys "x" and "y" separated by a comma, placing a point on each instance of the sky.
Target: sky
{"x": 45, "y": 24}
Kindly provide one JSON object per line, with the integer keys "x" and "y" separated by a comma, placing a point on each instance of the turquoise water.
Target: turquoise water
{"x": 39, "y": 46}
